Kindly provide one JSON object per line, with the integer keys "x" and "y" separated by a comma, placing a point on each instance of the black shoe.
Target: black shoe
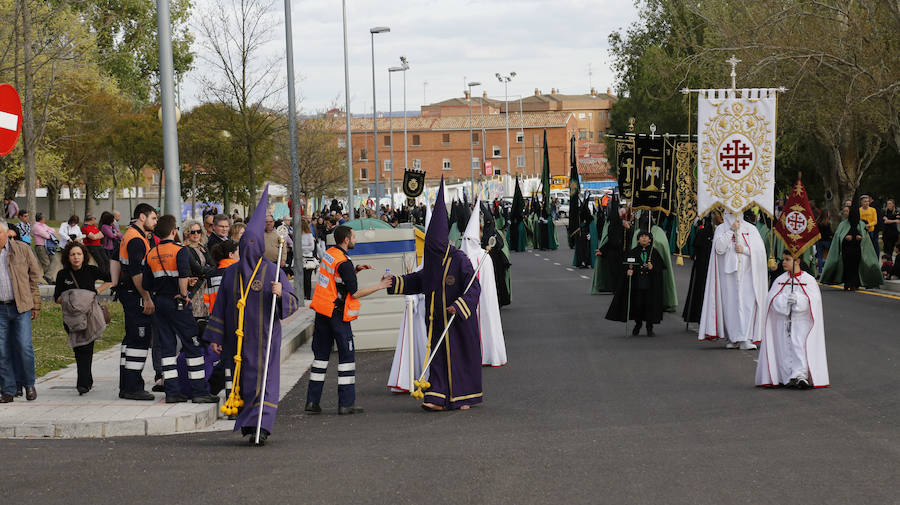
{"x": 137, "y": 395}
{"x": 803, "y": 384}
{"x": 312, "y": 408}
{"x": 263, "y": 436}
{"x": 6, "y": 398}
{"x": 650, "y": 331}
{"x": 636, "y": 330}
{"x": 158, "y": 388}
{"x": 30, "y": 393}
{"x": 205, "y": 399}
{"x": 20, "y": 391}
{"x": 344, "y": 411}
{"x": 791, "y": 383}
{"x": 82, "y": 390}
{"x": 176, "y": 399}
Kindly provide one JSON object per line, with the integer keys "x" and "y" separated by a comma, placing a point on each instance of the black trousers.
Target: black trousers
{"x": 84, "y": 356}
{"x": 307, "y": 283}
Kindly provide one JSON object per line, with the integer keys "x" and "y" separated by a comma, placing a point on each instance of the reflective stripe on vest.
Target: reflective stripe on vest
{"x": 325, "y": 293}
{"x": 130, "y": 234}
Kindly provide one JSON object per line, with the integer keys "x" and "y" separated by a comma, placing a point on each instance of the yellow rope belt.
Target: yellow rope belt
{"x": 234, "y": 400}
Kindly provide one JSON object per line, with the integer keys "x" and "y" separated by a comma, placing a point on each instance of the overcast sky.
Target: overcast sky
{"x": 549, "y": 44}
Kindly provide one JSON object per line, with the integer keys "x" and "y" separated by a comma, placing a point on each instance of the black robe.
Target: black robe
{"x": 646, "y": 289}
{"x": 582, "y": 237}
{"x": 693, "y": 304}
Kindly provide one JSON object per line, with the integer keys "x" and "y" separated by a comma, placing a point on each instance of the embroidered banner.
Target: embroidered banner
{"x": 653, "y": 177}
{"x": 736, "y": 138}
{"x": 685, "y": 190}
{"x": 797, "y": 226}
{"x": 625, "y": 165}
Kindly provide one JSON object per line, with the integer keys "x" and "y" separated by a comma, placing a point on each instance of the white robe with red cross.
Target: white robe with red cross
{"x": 735, "y": 296}
{"x": 796, "y": 349}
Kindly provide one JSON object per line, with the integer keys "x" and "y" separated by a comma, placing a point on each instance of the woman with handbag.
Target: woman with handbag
{"x": 83, "y": 318}
{"x": 308, "y": 246}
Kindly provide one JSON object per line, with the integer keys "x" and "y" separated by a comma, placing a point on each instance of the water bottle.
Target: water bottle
{"x": 387, "y": 273}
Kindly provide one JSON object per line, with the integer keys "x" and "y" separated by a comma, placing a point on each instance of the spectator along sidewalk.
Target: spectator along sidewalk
{"x": 59, "y": 412}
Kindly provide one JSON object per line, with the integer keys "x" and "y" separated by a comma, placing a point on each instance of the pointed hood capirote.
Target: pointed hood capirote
{"x": 252, "y": 246}
{"x": 437, "y": 234}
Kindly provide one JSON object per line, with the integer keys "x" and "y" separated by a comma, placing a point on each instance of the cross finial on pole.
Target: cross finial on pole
{"x": 733, "y": 61}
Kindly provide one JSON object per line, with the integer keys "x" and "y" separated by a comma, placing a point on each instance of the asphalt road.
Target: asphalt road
{"x": 581, "y": 414}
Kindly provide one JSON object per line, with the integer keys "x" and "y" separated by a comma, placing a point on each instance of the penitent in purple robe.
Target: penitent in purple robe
{"x": 455, "y": 372}
{"x": 224, "y": 321}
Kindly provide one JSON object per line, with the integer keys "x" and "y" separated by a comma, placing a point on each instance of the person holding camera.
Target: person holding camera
{"x": 640, "y": 294}
{"x": 167, "y": 276}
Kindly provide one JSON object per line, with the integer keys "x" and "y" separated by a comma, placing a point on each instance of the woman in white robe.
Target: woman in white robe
{"x": 792, "y": 352}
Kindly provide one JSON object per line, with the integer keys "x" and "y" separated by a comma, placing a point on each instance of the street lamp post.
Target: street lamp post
{"x": 347, "y": 115}
{"x": 405, "y": 65}
{"x": 505, "y": 80}
{"x": 403, "y": 68}
{"x": 471, "y": 142}
{"x": 372, "y": 32}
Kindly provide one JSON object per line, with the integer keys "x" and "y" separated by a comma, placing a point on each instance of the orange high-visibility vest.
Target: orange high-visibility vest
{"x": 326, "y": 291}
{"x": 212, "y": 285}
{"x": 162, "y": 260}
{"x": 130, "y": 234}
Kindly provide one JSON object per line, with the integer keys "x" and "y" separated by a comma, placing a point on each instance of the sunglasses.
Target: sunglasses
{"x": 194, "y": 232}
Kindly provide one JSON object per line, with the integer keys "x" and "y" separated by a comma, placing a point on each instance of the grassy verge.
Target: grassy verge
{"x": 50, "y": 349}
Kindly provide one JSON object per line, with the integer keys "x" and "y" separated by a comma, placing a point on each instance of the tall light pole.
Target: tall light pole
{"x": 347, "y": 115}
{"x": 372, "y": 32}
{"x": 505, "y": 80}
{"x": 169, "y": 121}
{"x": 405, "y": 65}
{"x": 292, "y": 131}
{"x": 402, "y": 68}
{"x": 471, "y": 142}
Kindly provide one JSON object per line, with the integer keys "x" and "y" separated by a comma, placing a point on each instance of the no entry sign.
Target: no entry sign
{"x": 10, "y": 118}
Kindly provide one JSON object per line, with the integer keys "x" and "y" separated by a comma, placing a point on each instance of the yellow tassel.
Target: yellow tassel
{"x": 234, "y": 400}
{"x": 679, "y": 260}
{"x": 772, "y": 264}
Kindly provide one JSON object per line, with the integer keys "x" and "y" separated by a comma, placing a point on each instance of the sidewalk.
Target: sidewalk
{"x": 59, "y": 411}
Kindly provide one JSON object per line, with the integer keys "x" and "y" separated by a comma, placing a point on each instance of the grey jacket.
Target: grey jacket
{"x": 82, "y": 316}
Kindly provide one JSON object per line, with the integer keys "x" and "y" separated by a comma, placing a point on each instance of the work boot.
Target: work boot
{"x": 207, "y": 398}
{"x": 176, "y": 399}
{"x": 137, "y": 395}
{"x": 312, "y": 408}
{"x": 345, "y": 411}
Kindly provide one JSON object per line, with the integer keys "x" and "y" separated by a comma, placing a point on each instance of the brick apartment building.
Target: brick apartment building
{"x": 438, "y": 139}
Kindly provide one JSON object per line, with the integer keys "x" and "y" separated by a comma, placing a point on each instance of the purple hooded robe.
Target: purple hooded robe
{"x": 224, "y": 321}
{"x": 455, "y": 372}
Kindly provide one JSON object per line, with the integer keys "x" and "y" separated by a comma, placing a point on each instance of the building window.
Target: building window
{"x": 387, "y": 166}
{"x": 476, "y": 164}
{"x": 387, "y": 141}
{"x": 601, "y": 114}
{"x": 475, "y": 138}
{"x": 445, "y": 139}
{"x": 496, "y": 151}
{"x": 417, "y": 141}
{"x": 446, "y": 164}
{"x": 520, "y": 161}
{"x": 591, "y": 135}
{"x": 581, "y": 115}
{"x": 417, "y": 164}
{"x": 520, "y": 137}
{"x": 582, "y": 134}
{"x": 364, "y": 173}
{"x": 590, "y": 115}
{"x": 156, "y": 178}
{"x": 363, "y": 154}
{"x": 342, "y": 142}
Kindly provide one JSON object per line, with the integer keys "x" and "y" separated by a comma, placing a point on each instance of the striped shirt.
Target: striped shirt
{"x": 6, "y": 288}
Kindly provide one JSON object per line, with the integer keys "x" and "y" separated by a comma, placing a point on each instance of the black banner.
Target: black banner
{"x": 625, "y": 166}
{"x": 653, "y": 176}
{"x": 413, "y": 184}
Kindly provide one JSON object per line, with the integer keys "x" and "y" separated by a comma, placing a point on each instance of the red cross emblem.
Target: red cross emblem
{"x": 736, "y": 156}
{"x": 795, "y": 222}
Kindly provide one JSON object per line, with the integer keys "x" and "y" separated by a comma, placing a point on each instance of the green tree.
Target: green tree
{"x": 126, "y": 34}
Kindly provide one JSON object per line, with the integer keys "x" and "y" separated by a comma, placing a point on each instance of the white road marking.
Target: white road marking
{"x": 584, "y": 277}
{"x": 9, "y": 121}
{"x": 570, "y": 269}
{"x": 546, "y": 259}
{"x": 555, "y": 263}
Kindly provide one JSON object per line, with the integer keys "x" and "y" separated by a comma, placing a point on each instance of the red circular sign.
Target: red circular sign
{"x": 10, "y": 118}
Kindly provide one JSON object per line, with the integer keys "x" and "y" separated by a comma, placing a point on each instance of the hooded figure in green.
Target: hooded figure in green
{"x": 517, "y": 221}
{"x": 661, "y": 245}
{"x": 852, "y": 259}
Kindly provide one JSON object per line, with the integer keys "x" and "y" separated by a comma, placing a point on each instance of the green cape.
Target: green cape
{"x": 869, "y": 268}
